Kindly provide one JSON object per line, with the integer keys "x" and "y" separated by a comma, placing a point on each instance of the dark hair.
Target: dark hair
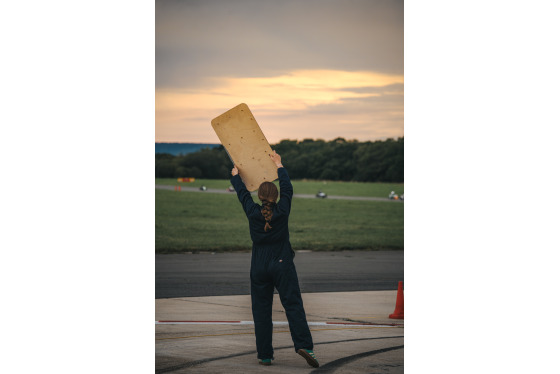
{"x": 268, "y": 194}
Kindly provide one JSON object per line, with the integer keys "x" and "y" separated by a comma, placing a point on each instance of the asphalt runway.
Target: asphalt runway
{"x": 203, "y": 314}
{"x": 221, "y": 274}
{"x": 352, "y": 333}
{"x": 365, "y": 350}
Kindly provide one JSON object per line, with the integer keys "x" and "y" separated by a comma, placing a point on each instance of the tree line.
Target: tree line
{"x": 337, "y": 160}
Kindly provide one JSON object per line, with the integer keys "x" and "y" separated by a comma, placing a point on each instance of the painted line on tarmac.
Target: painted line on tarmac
{"x": 253, "y": 332}
{"x": 204, "y": 336}
{"x": 203, "y": 323}
{"x": 278, "y": 323}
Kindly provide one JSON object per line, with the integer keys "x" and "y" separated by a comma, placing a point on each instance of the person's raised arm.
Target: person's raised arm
{"x": 243, "y": 195}
{"x": 286, "y": 188}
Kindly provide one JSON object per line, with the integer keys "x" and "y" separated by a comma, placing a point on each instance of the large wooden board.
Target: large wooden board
{"x": 246, "y": 145}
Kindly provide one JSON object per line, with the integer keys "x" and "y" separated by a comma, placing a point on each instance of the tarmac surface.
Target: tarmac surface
{"x": 203, "y": 318}
{"x": 220, "y": 274}
{"x": 351, "y": 331}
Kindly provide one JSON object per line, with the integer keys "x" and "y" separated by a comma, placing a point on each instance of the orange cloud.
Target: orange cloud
{"x": 297, "y": 91}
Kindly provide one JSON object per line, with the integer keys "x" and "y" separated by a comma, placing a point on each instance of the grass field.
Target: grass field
{"x": 192, "y": 221}
{"x": 307, "y": 187}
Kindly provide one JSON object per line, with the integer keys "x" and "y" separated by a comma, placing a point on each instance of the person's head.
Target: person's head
{"x": 268, "y": 194}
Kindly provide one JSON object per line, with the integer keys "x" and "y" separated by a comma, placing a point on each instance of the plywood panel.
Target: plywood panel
{"x": 247, "y": 146}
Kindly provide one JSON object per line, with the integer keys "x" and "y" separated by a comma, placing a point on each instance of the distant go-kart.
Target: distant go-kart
{"x": 394, "y": 196}
{"x": 231, "y": 189}
{"x": 203, "y": 188}
{"x": 321, "y": 195}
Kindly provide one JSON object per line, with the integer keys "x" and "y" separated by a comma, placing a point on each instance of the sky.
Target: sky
{"x": 318, "y": 69}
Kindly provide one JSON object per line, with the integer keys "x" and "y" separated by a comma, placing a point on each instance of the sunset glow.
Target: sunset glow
{"x": 288, "y": 97}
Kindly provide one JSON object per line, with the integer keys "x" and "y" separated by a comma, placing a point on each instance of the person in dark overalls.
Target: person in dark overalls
{"x": 272, "y": 264}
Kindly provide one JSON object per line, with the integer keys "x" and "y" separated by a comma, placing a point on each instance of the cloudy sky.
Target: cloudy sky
{"x": 306, "y": 68}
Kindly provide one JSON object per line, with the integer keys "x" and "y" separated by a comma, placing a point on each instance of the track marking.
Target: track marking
{"x": 277, "y": 323}
{"x": 336, "y": 364}
{"x": 253, "y": 332}
{"x": 203, "y": 336}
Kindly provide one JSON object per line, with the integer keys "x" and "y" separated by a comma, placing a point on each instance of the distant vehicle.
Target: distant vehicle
{"x": 203, "y": 188}
{"x": 402, "y": 197}
{"x": 321, "y": 195}
{"x": 231, "y": 189}
{"x": 393, "y": 196}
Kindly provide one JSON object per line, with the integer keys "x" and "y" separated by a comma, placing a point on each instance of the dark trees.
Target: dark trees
{"x": 338, "y": 159}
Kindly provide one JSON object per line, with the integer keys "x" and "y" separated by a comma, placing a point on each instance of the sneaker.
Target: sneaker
{"x": 265, "y": 361}
{"x": 309, "y": 357}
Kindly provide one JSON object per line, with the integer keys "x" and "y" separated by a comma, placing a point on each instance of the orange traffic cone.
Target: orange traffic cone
{"x": 399, "y": 307}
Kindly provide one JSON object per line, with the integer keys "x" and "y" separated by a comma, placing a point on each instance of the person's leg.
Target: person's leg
{"x": 286, "y": 282}
{"x": 262, "y": 292}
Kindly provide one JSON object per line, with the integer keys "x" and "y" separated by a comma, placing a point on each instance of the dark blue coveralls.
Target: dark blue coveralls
{"x": 272, "y": 266}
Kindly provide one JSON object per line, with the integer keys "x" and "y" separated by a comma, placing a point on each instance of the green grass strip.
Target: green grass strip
{"x": 193, "y": 221}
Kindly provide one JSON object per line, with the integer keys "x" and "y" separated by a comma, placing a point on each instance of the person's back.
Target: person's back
{"x": 277, "y": 230}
